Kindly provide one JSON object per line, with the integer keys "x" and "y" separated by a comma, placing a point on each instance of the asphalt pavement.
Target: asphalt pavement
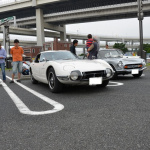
{"x": 111, "y": 118}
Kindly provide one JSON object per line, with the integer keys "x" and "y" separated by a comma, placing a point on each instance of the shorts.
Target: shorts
{"x": 17, "y": 65}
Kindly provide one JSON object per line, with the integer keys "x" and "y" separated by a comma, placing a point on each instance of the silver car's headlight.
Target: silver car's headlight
{"x": 75, "y": 75}
{"x": 143, "y": 62}
{"x": 120, "y": 64}
{"x": 108, "y": 72}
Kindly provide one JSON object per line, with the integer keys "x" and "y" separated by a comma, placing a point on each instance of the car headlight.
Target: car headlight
{"x": 120, "y": 64}
{"x": 75, "y": 75}
{"x": 143, "y": 62}
{"x": 108, "y": 72}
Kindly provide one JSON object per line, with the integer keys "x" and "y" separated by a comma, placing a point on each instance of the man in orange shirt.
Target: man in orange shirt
{"x": 16, "y": 53}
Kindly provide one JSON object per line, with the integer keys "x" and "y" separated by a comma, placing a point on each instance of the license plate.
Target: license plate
{"x": 95, "y": 81}
{"x": 135, "y": 71}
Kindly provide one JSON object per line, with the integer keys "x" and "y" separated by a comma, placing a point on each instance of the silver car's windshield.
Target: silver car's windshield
{"x": 50, "y": 56}
{"x": 110, "y": 54}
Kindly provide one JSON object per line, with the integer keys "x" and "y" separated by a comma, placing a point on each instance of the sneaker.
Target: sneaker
{"x": 18, "y": 80}
{"x": 11, "y": 81}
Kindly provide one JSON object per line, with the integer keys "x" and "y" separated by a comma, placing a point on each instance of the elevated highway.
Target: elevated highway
{"x": 55, "y": 14}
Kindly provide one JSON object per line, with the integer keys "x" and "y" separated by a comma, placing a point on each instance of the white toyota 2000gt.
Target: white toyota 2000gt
{"x": 57, "y": 68}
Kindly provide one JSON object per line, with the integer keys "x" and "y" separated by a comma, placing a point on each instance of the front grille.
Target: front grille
{"x": 133, "y": 66}
{"x": 92, "y": 74}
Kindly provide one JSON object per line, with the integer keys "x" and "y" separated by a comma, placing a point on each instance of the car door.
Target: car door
{"x": 42, "y": 68}
{"x": 35, "y": 67}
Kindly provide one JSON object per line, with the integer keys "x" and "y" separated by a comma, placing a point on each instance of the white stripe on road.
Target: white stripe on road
{"x": 115, "y": 84}
{"x": 24, "y": 109}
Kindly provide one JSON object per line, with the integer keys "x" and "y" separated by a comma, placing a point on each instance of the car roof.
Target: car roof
{"x": 55, "y": 51}
{"x": 108, "y": 49}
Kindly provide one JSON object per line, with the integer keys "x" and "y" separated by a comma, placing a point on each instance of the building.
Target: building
{"x": 57, "y": 45}
{"x": 30, "y": 52}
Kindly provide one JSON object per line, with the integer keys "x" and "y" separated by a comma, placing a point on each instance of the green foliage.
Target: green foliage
{"x": 146, "y": 47}
{"x": 120, "y": 46}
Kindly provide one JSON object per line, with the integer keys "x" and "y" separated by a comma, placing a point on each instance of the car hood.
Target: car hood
{"x": 125, "y": 60}
{"x": 82, "y": 65}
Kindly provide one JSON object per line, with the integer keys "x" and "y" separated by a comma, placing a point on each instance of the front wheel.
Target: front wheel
{"x": 33, "y": 80}
{"x": 54, "y": 85}
{"x": 138, "y": 75}
{"x": 104, "y": 83}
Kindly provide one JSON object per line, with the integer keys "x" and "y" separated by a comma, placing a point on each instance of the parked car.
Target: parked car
{"x": 57, "y": 68}
{"x": 121, "y": 65}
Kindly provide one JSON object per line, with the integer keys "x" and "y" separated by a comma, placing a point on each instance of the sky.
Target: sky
{"x": 115, "y": 28}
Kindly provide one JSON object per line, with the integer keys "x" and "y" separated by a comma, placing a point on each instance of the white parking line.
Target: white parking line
{"x": 115, "y": 83}
{"x": 23, "y": 108}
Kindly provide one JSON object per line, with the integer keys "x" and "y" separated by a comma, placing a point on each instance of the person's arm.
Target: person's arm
{"x": 3, "y": 56}
{"x": 91, "y": 47}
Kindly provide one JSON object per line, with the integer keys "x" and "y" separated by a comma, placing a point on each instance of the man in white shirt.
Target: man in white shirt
{"x": 25, "y": 68}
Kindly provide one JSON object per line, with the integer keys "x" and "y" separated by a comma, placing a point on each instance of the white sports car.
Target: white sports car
{"x": 57, "y": 68}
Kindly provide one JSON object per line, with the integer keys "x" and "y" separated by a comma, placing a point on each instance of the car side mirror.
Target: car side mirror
{"x": 43, "y": 59}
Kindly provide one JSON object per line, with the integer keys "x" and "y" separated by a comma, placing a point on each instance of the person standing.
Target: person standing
{"x": 16, "y": 53}
{"x": 89, "y": 42}
{"x": 73, "y": 47}
{"x": 93, "y": 49}
{"x": 2, "y": 62}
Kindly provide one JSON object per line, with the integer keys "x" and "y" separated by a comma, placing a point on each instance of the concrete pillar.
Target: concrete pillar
{"x": 123, "y": 41}
{"x": 40, "y": 27}
{"x": 63, "y": 34}
{"x": 69, "y": 38}
{"x": 107, "y": 45}
{"x": 83, "y": 47}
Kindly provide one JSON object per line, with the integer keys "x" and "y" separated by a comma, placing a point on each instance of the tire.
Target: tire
{"x": 33, "y": 80}
{"x": 104, "y": 84}
{"x": 138, "y": 75}
{"x": 115, "y": 74}
{"x": 54, "y": 84}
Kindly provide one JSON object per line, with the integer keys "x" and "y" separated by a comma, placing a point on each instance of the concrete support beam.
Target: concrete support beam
{"x": 40, "y": 27}
{"x": 34, "y": 3}
{"x": 54, "y": 27}
{"x": 63, "y": 34}
{"x": 69, "y": 38}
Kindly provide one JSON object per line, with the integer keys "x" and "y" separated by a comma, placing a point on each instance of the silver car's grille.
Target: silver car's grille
{"x": 133, "y": 66}
{"x": 91, "y": 74}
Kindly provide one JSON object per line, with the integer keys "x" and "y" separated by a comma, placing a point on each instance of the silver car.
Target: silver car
{"x": 121, "y": 65}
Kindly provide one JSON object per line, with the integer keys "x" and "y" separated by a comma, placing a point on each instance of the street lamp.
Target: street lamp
{"x": 140, "y": 18}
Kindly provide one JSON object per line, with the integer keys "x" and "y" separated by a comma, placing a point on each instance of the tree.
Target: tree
{"x": 146, "y": 47}
{"x": 120, "y": 46}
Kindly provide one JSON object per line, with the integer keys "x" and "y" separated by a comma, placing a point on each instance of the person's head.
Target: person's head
{"x": 75, "y": 42}
{"x": 0, "y": 45}
{"x": 16, "y": 42}
{"x": 89, "y": 36}
{"x": 94, "y": 39}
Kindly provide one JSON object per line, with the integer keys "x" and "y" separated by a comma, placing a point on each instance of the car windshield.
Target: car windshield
{"x": 50, "y": 56}
{"x": 110, "y": 53}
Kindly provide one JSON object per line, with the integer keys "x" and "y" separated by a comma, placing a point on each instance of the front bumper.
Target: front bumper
{"x": 81, "y": 81}
{"x": 128, "y": 71}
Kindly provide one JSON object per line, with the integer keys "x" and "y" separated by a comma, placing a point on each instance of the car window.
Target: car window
{"x": 37, "y": 59}
{"x": 51, "y": 56}
{"x": 109, "y": 53}
{"x": 42, "y": 57}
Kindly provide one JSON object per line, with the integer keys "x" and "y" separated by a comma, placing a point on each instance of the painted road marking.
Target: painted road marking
{"x": 115, "y": 83}
{"x": 23, "y": 108}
